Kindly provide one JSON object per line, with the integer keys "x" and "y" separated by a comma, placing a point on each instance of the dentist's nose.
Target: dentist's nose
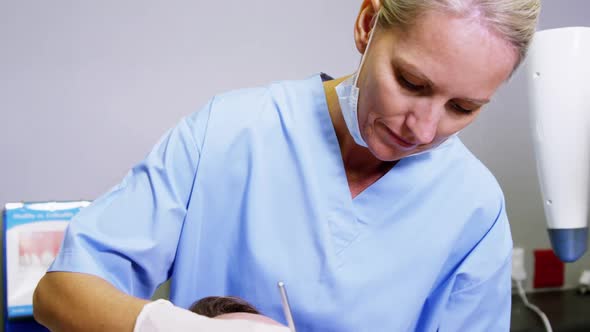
{"x": 423, "y": 120}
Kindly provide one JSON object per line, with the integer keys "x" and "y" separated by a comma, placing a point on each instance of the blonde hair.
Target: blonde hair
{"x": 513, "y": 20}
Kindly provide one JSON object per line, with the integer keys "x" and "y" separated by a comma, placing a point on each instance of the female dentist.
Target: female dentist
{"x": 355, "y": 191}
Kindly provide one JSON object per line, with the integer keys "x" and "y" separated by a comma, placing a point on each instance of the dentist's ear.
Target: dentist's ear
{"x": 376, "y": 4}
{"x": 364, "y": 23}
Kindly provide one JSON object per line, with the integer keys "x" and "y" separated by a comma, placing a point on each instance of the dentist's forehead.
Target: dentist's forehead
{"x": 461, "y": 57}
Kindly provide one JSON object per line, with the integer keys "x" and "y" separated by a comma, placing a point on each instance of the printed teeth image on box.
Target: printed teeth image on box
{"x": 30, "y": 249}
{"x": 38, "y": 248}
{"x": 33, "y": 234}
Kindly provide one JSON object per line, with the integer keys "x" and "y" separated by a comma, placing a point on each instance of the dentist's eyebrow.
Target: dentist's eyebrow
{"x": 410, "y": 69}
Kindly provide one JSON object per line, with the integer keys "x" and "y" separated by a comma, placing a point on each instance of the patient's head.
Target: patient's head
{"x": 228, "y": 307}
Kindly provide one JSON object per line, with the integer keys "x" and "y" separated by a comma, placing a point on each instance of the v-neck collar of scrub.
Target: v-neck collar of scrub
{"x": 335, "y": 156}
{"x": 393, "y": 185}
{"x": 347, "y": 220}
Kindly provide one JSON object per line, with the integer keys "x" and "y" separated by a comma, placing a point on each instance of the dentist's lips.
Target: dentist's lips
{"x": 393, "y": 138}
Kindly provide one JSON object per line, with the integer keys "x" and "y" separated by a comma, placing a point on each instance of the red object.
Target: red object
{"x": 549, "y": 270}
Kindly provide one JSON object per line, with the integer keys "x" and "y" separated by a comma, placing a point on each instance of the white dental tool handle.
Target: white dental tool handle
{"x": 286, "y": 306}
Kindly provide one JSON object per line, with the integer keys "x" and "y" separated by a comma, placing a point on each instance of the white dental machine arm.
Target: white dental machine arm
{"x": 558, "y": 78}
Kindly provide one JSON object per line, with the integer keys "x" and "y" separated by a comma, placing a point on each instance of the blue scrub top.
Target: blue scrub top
{"x": 252, "y": 190}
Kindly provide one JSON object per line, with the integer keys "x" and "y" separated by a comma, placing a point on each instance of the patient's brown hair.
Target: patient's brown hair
{"x": 214, "y": 306}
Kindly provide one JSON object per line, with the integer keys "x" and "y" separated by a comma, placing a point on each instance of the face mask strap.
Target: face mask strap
{"x": 372, "y": 33}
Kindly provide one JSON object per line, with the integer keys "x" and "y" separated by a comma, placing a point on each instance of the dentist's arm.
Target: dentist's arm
{"x": 67, "y": 301}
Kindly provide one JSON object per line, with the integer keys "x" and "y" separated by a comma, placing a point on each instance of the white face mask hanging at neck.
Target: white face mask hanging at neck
{"x": 348, "y": 96}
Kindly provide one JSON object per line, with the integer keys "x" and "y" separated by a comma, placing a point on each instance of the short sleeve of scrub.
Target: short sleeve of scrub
{"x": 481, "y": 298}
{"x": 137, "y": 223}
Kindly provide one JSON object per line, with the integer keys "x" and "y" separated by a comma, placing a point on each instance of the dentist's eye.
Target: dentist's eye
{"x": 460, "y": 109}
{"x": 408, "y": 85}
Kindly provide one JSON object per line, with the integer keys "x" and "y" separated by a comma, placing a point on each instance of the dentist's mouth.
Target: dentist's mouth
{"x": 397, "y": 140}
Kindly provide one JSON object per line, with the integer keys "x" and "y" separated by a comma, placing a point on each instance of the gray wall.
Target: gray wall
{"x": 86, "y": 88}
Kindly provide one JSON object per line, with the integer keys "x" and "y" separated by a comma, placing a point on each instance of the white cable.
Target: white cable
{"x": 533, "y": 307}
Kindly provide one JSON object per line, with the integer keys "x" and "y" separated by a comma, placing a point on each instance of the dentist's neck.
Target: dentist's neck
{"x": 358, "y": 160}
